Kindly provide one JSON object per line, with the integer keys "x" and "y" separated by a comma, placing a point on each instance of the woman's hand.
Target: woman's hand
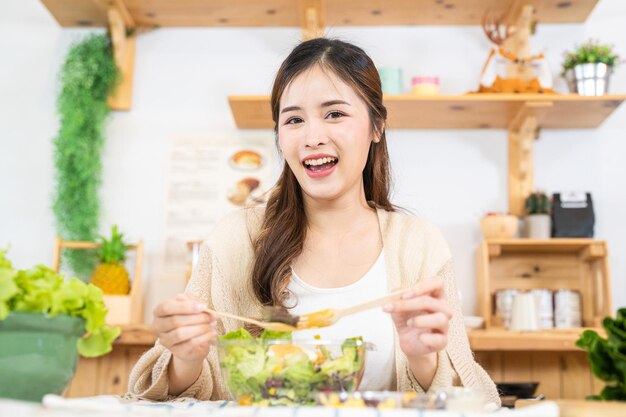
{"x": 184, "y": 328}
{"x": 421, "y": 318}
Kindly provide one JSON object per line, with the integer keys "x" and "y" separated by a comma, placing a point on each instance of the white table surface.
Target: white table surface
{"x": 116, "y": 406}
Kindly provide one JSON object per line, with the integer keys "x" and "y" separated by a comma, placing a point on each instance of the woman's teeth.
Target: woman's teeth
{"x": 320, "y": 161}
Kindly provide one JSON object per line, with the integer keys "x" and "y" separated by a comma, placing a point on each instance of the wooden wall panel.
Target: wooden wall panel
{"x": 517, "y": 367}
{"x": 560, "y": 374}
{"x": 546, "y": 369}
{"x": 113, "y": 378}
{"x": 492, "y": 363}
{"x": 576, "y": 376}
{"x": 84, "y": 382}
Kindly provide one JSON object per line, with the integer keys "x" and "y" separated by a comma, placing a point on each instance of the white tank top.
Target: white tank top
{"x": 375, "y": 326}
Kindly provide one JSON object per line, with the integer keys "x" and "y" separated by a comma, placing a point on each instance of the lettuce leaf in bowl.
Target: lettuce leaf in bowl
{"x": 43, "y": 290}
{"x": 273, "y": 370}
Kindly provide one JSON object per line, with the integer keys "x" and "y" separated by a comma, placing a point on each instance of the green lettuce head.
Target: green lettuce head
{"x": 43, "y": 290}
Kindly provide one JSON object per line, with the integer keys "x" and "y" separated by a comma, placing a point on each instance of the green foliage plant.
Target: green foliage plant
{"x": 87, "y": 77}
{"x": 607, "y": 356}
{"x": 537, "y": 203}
{"x": 591, "y": 52}
{"x": 43, "y": 290}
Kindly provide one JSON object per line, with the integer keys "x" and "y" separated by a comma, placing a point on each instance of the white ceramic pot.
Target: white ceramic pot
{"x": 538, "y": 226}
{"x": 589, "y": 79}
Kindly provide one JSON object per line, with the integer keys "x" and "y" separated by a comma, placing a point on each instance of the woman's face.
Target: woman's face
{"x": 324, "y": 133}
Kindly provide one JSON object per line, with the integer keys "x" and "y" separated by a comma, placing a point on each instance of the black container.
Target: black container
{"x": 521, "y": 390}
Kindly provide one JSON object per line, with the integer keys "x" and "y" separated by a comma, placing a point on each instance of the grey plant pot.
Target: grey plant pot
{"x": 589, "y": 79}
{"x": 538, "y": 226}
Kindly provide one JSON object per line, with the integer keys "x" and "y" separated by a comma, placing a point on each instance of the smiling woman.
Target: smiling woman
{"x": 328, "y": 237}
{"x": 315, "y": 133}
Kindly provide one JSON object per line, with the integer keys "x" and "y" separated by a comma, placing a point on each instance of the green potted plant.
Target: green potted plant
{"x": 607, "y": 356}
{"x": 46, "y": 322}
{"x": 537, "y": 220}
{"x": 588, "y": 68}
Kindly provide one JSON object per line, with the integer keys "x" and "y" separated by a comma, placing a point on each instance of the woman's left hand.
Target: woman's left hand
{"x": 421, "y": 318}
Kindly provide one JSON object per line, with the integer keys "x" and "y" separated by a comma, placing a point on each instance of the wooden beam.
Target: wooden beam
{"x": 56, "y": 255}
{"x": 593, "y": 251}
{"x": 124, "y": 42}
{"x": 499, "y": 339}
{"x": 106, "y": 5}
{"x": 521, "y": 175}
{"x": 521, "y": 21}
{"x": 284, "y": 13}
{"x": 129, "y": 21}
{"x": 312, "y": 17}
{"x": 522, "y": 133}
{"x": 494, "y": 249}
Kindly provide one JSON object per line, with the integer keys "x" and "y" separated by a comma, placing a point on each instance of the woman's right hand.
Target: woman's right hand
{"x": 183, "y": 327}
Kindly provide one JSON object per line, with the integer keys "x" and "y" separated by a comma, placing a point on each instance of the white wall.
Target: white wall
{"x": 182, "y": 79}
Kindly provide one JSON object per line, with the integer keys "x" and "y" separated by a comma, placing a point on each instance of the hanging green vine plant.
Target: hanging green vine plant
{"x": 88, "y": 75}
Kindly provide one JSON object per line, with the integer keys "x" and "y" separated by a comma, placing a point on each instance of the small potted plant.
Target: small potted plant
{"x": 46, "y": 322}
{"x": 537, "y": 220}
{"x": 588, "y": 68}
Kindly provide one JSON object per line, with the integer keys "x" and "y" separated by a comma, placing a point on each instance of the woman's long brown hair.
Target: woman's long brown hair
{"x": 284, "y": 227}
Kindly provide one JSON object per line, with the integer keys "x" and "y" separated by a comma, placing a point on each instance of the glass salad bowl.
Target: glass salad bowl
{"x": 274, "y": 370}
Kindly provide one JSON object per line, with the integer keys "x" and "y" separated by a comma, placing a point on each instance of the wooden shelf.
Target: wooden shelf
{"x": 135, "y": 335}
{"x": 287, "y": 13}
{"x": 470, "y": 111}
{"x": 556, "y": 245}
{"x": 497, "y": 339}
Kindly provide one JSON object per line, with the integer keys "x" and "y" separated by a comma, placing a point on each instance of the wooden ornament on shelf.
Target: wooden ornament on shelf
{"x": 123, "y": 309}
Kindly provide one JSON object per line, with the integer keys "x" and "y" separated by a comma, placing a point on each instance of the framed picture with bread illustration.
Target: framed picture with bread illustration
{"x": 209, "y": 176}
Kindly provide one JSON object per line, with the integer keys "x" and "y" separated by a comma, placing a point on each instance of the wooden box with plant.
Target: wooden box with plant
{"x": 46, "y": 322}
{"x": 607, "y": 356}
{"x": 588, "y": 68}
{"x": 122, "y": 296}
{"x": 537, "y": 220}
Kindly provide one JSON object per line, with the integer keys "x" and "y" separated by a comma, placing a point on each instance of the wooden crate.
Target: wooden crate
{"x": 577, "y": 264}
{"x": 123, "y": 309}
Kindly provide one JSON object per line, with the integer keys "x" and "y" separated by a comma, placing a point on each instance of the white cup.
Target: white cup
{"x": 524, "y": 316}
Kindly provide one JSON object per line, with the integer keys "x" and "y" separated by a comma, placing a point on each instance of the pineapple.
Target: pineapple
{"x": 111, "y": 275}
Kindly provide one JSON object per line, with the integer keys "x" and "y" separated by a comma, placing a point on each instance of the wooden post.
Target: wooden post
{"x": 312, "y": 19}
{"x": 56, "y": 255}
{"x": 520, "y": 20}
{"x": 123, "y": 37}
{"x": 522, "y": 133}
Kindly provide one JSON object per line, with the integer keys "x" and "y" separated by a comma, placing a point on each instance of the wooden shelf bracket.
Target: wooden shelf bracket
{"x": 522, "y": 133}
{"x": 123, "y": 36}
{"x": 520, "y": 18}
{"x": 312, "y": 19}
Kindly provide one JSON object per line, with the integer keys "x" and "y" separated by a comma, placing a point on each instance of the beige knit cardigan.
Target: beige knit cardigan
{"x": 414, "y": 249}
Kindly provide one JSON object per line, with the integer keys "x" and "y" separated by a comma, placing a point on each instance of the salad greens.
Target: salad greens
{"x": 608, "y": 356}
{"x": 272, "y": 371}
{"x": 43, "y": 290}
